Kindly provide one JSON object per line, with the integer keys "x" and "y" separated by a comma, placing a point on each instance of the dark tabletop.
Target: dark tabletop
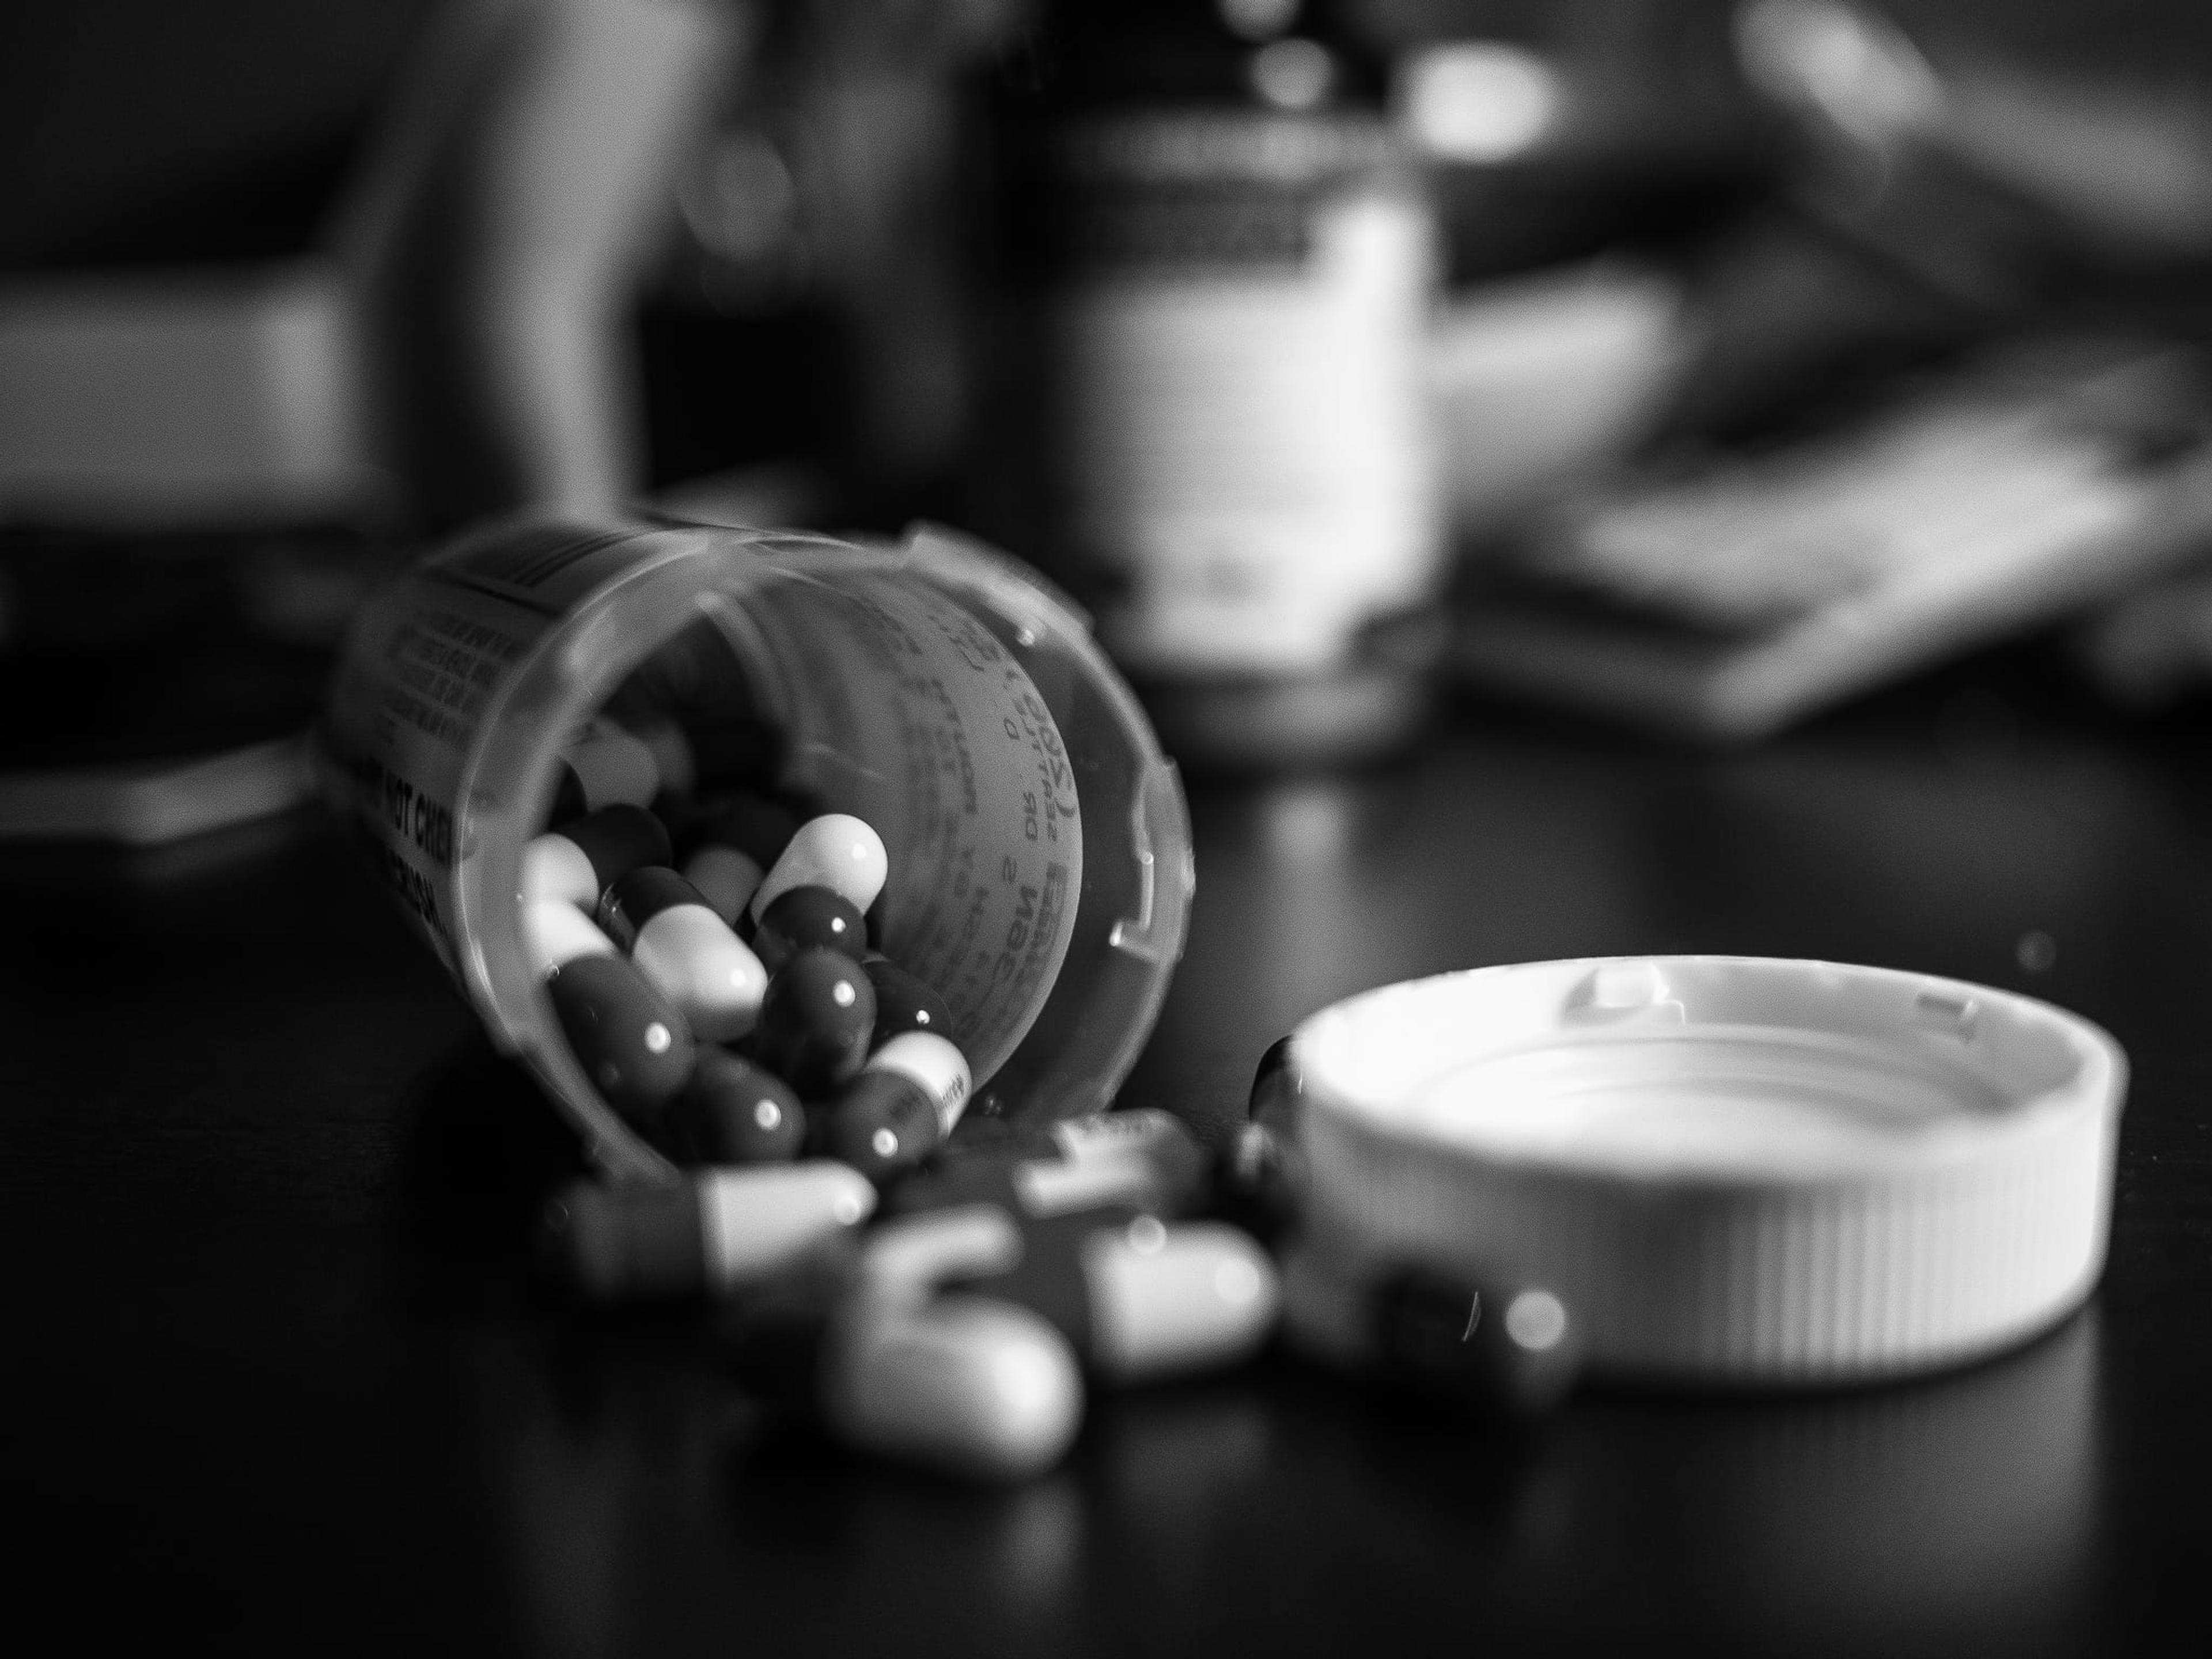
{"x": 280, "y": 1371}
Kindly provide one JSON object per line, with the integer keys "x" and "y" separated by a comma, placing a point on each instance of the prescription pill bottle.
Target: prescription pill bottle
{"x": 1225, "y": 260}
{"x": 1039, "y": 845}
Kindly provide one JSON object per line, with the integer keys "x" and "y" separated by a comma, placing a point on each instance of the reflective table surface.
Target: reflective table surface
{"x": 284, "y": 1374}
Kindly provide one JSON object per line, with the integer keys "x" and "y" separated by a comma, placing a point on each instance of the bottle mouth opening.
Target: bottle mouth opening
{"x": 933, "y": 707}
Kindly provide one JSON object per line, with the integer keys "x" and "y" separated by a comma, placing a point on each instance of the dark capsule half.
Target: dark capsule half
{"x": 809, "y": 918}
{"x": 904, "y": 1002}
{"x": 630, "y": 1040}
{"x": 815, "y": 1021}
{"x": 1499, "y": 1346}
{"x": 735, "y": 1112}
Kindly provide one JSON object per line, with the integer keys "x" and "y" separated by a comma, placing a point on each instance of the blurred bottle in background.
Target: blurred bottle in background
{"x": 809, "y": 337}
{"x": 1224, "y": 266}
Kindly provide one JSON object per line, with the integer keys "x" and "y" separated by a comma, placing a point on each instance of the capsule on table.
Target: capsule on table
{"x": 914, "y": 1255}
{"x": 583, "y": 857}
{"x": 1030, "y": 1187}
{"x": 687, "y": 951}
{"x": 815, "y": 1020}
{"x": 1161, "y": 1164}
{"x": 809, "y": 918}
{"x": 715, "y": 1231}
{"x": 726, "y": 878}
{"x": 837, "y": 851}
{"x": 1141, "y": 1300}
{"x": 904, "y": 1001}
{"x": 735, "y": 1112}
{"x": 1492, "y": 1343}
{"x": 982, "y": 1390}
{"x": 606, "y": 766}
{"x": 632, "y": 1041}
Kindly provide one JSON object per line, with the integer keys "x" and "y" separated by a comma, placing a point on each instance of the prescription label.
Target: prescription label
{"x": 907, "y": 711}
{"x": 400, "y": 736}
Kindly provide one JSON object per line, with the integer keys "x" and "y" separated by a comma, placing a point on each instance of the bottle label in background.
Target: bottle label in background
{"x": 1236, "y": 307}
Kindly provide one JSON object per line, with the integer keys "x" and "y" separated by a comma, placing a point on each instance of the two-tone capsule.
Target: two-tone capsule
{"x": 899, "y": 1108}
{"x": 1138, "y": 1299}
{"x": 683, "y": 947}
{"x": 717, "y": 1230}
{"x": 578, "y": 862}
{"x": 633, "y": 1043}
{"x": 735, "y": 849}
{"x": 1493, "y": 1342}
{"x": 836, "y": 850}
{"x": 815, "y": 1020}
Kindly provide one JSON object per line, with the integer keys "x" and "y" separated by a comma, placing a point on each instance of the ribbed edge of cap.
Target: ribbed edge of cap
{"x": 1716, "y": 1274}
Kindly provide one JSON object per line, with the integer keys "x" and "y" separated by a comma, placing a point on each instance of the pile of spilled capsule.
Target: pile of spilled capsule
{"x": 708, "y": 955}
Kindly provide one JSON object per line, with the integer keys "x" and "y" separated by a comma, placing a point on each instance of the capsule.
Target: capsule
{"x": 735, "y": 1112}
{"x": 809, "y": 918}
{"x": 904, "y": 1001}
{"x": 982, "y": 1390}
{"x": 726, "y": 878}
{"x": 607, "y": 766}
{"x": 715, "y": 1231}
{"x": 634, "y": 1044}
{"x": 914, "y": 1255}
{"x": 836, "y": 851}
{"x": 1032, "y": 1187}
{"x": 1145, "y": 1156}
{"x": 1141, "y": 1300}
{"x": 815, "y": 1020}
{"x": 1492, "y": 1343}
{"x": 687, "y": 951}
{"x": 582, "y": 858}
{"x": 676, "y": 766}
{"x": 881, "y": 1125}
{"x": 929, "y": 1065}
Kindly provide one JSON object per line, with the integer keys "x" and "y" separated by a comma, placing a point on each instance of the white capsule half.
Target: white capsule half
{"x": 689, "y": 955}
{"x": 1117, "y": 1135}
{"x": 556, "y": 868}
{"x": 912, "y": 1256}
{"x": 975, "y": 1388}
{"x": 555, "y": 932}
{"x": 837, "y": 851}
{"x": 934, "y": 1065}
{"x": 761, "y": 1220}
{"x": 1166, "y": 1300}
{"x": 726, "y": 878}
{"x": 613, "y": 767}
{"x": 675, "y": 767}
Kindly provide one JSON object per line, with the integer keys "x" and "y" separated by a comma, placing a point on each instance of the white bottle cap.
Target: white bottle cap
{"x": 1729, "y": 1168}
